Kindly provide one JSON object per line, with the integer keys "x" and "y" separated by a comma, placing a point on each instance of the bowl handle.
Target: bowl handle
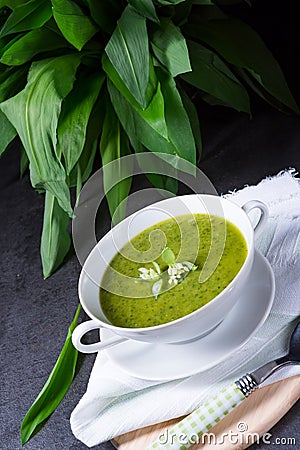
{"x": 84, "y": 328}
{"x": 264, "y": 213}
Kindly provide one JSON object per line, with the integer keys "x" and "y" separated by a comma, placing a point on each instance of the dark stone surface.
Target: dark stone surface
{"x": 35, "y": 314}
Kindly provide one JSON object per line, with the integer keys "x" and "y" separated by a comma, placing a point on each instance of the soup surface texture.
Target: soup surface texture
{"x": 210, "y": 242}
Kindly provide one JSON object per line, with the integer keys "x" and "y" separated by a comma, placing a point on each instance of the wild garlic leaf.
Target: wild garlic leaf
{"x": 27, "y": 16}
{"x": 24, "y": 48}
{"x": 12, "y": 80}
{"x": 156, "y": 288}
{"x": 241, "y": 46}
{"x": 154, "y": 113}
{"x": 105, "y": 13}
{"x": 12, "y": 4}
{"x": 168, "y": 256}
{"x": 75, "y": 114}
{"x": 167, "y": 185}
{"x": 146, "y": 8}
{"x": 141, "y": 134}
{"x": 55, "y": 387}
{"x": 138, "y": 130}
{"x": 128, "y": 52}
{"x": 169, "y": 47}
{"x": 91, "y": 145}
{"x": 34, "y": 113}
{"x": 212, "y": 75}
{"x": 181, "y": 142}
{"x": 7, "y": 133}
{"x": 155, "y": 170}
{"x": 203, "y": 2}
{"x": 169, "y": 2}
{"x": 55, "y": 240}
{"x": 116, "y": 175}
{"x": 157, "y": 268}
{"x": 260, "y": 90}
{"x": 178, "y": 123}
{"x": 24, "y": 162}
{"x": 74, "y": 25}
{"x": 116, "y": 79}
{"x": 193, "y": 117}
{"x": 230, "y": 2}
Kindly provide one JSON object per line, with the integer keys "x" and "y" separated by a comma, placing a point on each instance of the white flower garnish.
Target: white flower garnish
{"x": 152, "y": 275}
{"x": 178, "y": 271}
{"x": 148, "y": 274}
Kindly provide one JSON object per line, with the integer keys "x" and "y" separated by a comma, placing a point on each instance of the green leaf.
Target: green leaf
{"x": 194, "y": 119}
{"x": 55, "y": 387}
{"x": 87, "y": 156}
{"x": 12, "y": 4}
{"x": 139, "y": 132}
{"x": 169, "y": 47}
{"x": 169, "y": 2}
{"x": 211, "y": 75}
{"x": 85, "y": 164}
{"x": 181, "y": 13}
{"x": 34, "y": 112}
{"x": 116, "y": 79}
{"x": 31, "y": 44}
{"x": 203, "y": 2}
{"x": 146, "y": 8}
{"x": 105, "y": 14}
{"x": 12, "y": 80}
{"x": 7, "y": 134}
{"x": 241, "y": 46}
{"x": 162, "y": 182}
{"x": 154, "y": 171}
{"x": 179, "y": 127}
{"x": 232, "y": 2}
{"x": 256, "y": 82}
{"x": 157, "y": 287}
{"x": 154, "y": 113}
{"x": 55, "y": 241}
{"x": 114, "y": 145}
{"x": 74, "y": 117}
{"x": 75, "y": 26}
{"x": 27, "y": 16}
{"x": 168, "y": 256}
{"x": 206, "y": 13}
{"x": 24, "y": 162}
{"x": 78, "y": 182}
{"x": 4, "y": 14}
{"x": 7, "y": 42}
{"x": 128, "y": 52}
{"x": 211, "y": 100}
{"x": 260, "y": 91}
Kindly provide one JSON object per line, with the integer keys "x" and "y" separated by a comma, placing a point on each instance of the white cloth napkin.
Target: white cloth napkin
{"x": 116, "y": 402}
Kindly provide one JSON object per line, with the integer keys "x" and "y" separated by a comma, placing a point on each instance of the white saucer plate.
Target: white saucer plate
{"x": 162, "y": 362}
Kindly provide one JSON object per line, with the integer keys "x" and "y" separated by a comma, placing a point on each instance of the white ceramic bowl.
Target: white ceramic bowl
{"x": 191, "y": 326}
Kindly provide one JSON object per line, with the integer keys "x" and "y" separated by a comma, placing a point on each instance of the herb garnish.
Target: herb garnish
{"x": 176, "y": 271}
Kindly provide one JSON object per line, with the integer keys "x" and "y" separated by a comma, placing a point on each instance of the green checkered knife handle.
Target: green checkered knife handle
{"x": 185, "y": 433}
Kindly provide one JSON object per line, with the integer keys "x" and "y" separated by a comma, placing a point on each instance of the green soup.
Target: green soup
{"x": 213, "y": 244}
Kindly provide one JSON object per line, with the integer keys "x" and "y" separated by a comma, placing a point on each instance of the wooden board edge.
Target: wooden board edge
{"x": 260, "y": 412}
